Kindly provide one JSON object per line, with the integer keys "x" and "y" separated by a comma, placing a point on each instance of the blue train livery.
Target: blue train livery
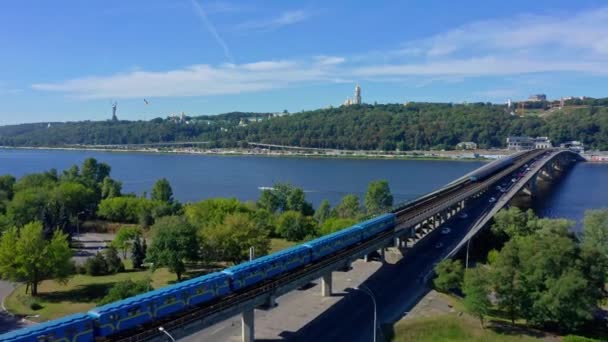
{"x": 73, "y": 328}
{"x": 133, "y": 312}
{"x": 377, "y": 225}
{"x": 334, "y": 242}
{"x": 257, "y": 270}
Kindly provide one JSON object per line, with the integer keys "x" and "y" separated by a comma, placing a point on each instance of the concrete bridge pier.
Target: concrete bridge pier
{"x": 247, "y": 326}
{"x": 326, "y": 284}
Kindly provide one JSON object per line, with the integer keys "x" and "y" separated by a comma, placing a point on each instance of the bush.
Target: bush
{"x": 113, "y": 262}
{"x": 126, "y": 289}
{"x": 96, "y": 266}
{"x": 449, "y": 275}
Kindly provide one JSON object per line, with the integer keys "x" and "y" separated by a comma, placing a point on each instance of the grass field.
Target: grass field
{"x": 452, "y": 328}
{"x": 79, "y": 294}
{"x": 279, "y": 244}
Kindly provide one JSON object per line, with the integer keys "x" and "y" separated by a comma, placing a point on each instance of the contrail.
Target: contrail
{"x": 211, "y": 29}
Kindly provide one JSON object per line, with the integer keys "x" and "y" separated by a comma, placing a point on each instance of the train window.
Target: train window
{"x": 133, "y": 311}
{"x": 43, "y": 338}
{"x": 113, "y": 317}
{"x": 70, "y": 331}
{"x": 169, "y": 300}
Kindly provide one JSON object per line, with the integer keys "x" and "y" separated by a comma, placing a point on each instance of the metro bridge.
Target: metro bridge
{"x": 415, "y": 221}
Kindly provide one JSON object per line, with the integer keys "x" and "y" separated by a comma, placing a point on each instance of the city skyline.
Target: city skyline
{"x": 67, "y": 62}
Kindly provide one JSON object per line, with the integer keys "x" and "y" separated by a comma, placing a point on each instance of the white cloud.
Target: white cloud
{"x": 284, "y": 19}
{"x": 196, "y": 80}
{"x": 330, "y": 60}
{"x": 573, "y": 42}
{"x": 481, "y": 66}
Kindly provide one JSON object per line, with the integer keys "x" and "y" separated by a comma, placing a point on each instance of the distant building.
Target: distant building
{"x": 467, "y": 145}
{"x": 528, "y": 143}
{"x": 537, "y": 97}
{"x": 355, "y": 100}
{"x": 576, "y": 146}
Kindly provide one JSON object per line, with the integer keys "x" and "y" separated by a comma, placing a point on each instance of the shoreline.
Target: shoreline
{"x": 414, "y": 155}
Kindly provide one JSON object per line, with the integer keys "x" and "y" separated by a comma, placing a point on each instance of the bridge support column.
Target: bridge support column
{"x": 247, "y": 326}
{"x": 326, "y": 285}
{"x": 382, "y": 256}
{"x": 397, "y": 242}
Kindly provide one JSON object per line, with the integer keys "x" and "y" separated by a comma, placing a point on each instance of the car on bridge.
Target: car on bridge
{"x": 492, "y": 200}
{"x": 446, "y": 230}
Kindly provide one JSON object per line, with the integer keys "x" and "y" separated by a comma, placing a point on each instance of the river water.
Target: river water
{"x": 196, "y": 177}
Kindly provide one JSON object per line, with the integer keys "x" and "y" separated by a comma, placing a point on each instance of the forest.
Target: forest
{"x": 411, "y": 126}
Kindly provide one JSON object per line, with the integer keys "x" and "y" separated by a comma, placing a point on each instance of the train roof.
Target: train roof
{"x": 39, "y": 328}
{"x": 376, "y": 219}
{"x": 339, "y": 233}
{"x": 265, "y": 259}
{"x": 144, "y": 297}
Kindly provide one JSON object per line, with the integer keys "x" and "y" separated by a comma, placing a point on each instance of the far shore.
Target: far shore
{"x": 409, "y": 155}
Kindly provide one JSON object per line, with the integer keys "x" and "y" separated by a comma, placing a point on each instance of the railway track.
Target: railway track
{"x": 416, "y": 211}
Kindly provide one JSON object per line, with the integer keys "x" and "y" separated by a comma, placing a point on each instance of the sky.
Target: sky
{"x": 69, "y": 60}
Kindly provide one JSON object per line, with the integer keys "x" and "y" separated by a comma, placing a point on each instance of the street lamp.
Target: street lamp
{"x": 161, "y": 329}
{"x": 369, "y": 292}
{"x": 78, "y": 223}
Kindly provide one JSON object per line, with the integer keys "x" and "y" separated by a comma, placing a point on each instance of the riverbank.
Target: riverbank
{"x": 477, "y": 155}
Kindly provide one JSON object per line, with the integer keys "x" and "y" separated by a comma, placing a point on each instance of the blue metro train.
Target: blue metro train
{"x": 130, "y": 313}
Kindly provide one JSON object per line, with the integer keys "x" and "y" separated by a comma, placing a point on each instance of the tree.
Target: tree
{"x": 231, "y": 240}
{"x": 348, "y": 208}
{"x": 507, "y": 280}
{"x": 161, "y": 191}
{"x": 268, "y": 201}
{"x": 110, "y": 188}
{"x": 138, "y": 252}
{"x": 566, "y": 302}
{"x": 294, "y": 226}
{"x": 174, "y": 242}
{"x": 125, "y": 289}
{"x": 595, "y": 232}
{"x": 514, "y": 222}
{"x": 7, "y": 182}
{"x": 285, "y": 197}
{"x": 475, "y": 289}
{"x": 212, "y": 212}
{"x": 449, "y": 274}
{"x": 335, "y": 224}
{"x": 113, "y": 261}
{"x": 378, "y": 197}
{"x": 96, "y": 266}
{"x": 26, "y": 256}
{"x": 323, "y": 212}
{"x": 124, "y": 239}
{"x": 93, "y": 171}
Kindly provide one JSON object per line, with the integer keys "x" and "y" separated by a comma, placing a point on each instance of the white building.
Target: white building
{"x": 528, "y": 143}
{"x": 355, "y": 100}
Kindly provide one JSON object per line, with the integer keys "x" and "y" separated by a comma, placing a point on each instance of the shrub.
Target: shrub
{"x": 96, "y": 266}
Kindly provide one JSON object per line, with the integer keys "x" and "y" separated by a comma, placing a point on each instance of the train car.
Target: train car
{"x": 205, "y": 288}
{"x": 377, "y": 225}
{"x": 73, "y": 328}
{"x": 334, "y": 242}
{"x": 257, "y": 270}
{"x": 135, "y": 311}
{"x": 491, "y": 168}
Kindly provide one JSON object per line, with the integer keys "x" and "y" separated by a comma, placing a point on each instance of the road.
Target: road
{"x": 8, "y": 322}
{"x": 306, "y": 316}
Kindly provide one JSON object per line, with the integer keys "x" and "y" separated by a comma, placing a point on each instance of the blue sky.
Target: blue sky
{"x": 69, "y": 60}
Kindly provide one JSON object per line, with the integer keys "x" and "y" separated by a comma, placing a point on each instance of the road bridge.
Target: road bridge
{"x": 415, "y": 220}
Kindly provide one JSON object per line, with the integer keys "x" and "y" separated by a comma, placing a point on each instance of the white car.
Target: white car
{"x": 446, "y": 230}
{"x": 439, "y": 245}
{"x": 463, "y": 216}
{"x": 492, "y": 200}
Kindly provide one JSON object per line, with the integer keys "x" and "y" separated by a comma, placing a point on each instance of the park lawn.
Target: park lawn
{"x": 79, "y": 294}
{"x": 449, "y": 328}
{"x": 280, "y": 244}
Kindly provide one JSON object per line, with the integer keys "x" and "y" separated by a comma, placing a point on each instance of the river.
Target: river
{"x": 196, "y": 177}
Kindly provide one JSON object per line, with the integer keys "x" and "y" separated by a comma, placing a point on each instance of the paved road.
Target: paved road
{"x": 347, "y": 315}
{"x": 7, "y": 321}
